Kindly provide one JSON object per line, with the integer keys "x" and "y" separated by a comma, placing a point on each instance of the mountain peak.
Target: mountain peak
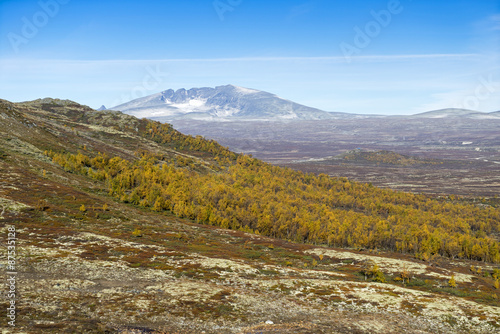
{"x": 222, "y": 102}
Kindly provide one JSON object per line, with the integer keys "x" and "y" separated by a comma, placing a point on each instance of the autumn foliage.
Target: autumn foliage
{"x": 244, "y": 193}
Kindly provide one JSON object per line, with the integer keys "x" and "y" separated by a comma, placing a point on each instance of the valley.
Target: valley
{"x": 465, "y": 152}
{"x": 97, "y": 254}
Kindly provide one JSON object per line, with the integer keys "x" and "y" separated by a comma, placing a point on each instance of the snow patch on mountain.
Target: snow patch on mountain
{"x": 245, "y": 90}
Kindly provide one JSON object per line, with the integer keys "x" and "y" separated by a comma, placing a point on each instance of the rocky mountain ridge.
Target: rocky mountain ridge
{"x": 222, "y": 102}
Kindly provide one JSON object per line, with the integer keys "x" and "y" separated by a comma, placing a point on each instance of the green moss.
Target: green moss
{"x": 252, "y": 254}
{"x": 417, "y": 282}
{"x": 268, "y": 272}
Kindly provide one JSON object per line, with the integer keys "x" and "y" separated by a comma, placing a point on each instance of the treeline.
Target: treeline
{"x": 164, "y": 133}
{"x": 254, "y": 196}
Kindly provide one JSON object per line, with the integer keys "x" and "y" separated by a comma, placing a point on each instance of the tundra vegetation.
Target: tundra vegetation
{"x": 126, "y": 225}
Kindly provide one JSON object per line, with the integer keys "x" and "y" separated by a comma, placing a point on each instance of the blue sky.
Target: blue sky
{"x": 387, "y": 57}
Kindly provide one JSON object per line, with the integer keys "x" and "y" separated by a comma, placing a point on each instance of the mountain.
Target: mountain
{"x": 456, "y": 113}
{"x": 231, "y": 102}
{"x": 222, "y": 102}
{"x": 101, "y": 108}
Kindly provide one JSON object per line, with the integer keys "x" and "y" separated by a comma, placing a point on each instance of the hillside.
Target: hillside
{"x": 127, "y": 225}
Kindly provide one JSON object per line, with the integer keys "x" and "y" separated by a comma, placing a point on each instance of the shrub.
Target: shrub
{"x": 452, "y": 283}
{"x": 373, "y": 271}
{"x": 137, "y": 233}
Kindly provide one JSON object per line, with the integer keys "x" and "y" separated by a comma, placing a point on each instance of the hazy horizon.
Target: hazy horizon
{"x": 376, "y": 57}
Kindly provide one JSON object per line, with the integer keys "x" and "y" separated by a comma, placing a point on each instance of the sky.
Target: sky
{"x": 357, "y": 56}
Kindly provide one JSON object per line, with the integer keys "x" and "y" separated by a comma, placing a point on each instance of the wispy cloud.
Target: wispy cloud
{"x": 301, "y": 9}
{"x": 481, "y": 93}
{"x": 248, "y": 59}
{"x": 370, "y": 83}
{"x": 494, "y": 21}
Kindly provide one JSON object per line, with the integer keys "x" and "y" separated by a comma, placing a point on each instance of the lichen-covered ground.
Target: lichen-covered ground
{"x": 179, "y": 277}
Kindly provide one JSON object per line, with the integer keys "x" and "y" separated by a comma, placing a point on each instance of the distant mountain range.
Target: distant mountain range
{"x": 458, "y": 113}
{"x": 222, "y": 102}
{"x": 238, "y": 103}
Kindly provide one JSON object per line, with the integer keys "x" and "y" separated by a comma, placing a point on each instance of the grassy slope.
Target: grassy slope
{"x": 129, "y": 267}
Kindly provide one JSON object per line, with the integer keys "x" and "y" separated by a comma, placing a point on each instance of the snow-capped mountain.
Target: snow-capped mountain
{"x": 221, "y": 102}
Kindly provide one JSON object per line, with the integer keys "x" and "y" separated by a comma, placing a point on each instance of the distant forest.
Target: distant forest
{"x": 209, "y": 184}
